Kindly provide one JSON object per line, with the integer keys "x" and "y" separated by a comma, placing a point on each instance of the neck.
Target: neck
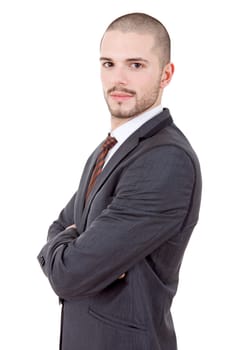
{"x": 116, "y": 122}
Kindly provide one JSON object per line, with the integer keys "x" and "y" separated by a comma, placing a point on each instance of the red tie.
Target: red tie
{"x": 106, "y": 146}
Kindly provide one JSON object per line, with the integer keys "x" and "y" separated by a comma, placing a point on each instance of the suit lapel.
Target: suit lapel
{"x": 121, "y": 153}
{"x": 148, "y": 129}
{"x": 84, "y": 181}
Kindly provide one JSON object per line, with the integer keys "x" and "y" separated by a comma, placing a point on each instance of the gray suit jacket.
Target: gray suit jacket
{"x": 138, "y": 221}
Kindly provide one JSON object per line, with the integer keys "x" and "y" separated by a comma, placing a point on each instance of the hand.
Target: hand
{"x": 71, "y": 226}
{"x": 122, "y": 276}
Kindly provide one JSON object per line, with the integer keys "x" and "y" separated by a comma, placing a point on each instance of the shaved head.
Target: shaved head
{"x": 142, "y": 23}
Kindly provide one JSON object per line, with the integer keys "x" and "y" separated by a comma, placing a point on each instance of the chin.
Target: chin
{"x": 121, "y": 114}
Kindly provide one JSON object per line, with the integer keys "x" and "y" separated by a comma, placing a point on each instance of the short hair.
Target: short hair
{"x": 145, "y": 24}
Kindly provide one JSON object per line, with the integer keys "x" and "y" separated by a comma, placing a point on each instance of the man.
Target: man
{"x": 114, "y": 253}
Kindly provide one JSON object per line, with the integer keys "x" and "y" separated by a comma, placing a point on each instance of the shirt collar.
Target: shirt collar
{"x": 122, "y": 132}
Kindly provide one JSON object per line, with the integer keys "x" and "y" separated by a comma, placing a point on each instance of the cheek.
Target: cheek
{"x": 105, "y": 79}
{"x": 143, "y": 79}
{"x": 149, "y": 82}
{"x": 143, "y": 86}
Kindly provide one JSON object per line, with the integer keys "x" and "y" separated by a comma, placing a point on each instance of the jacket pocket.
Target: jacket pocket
{"x": 117, "y": 323}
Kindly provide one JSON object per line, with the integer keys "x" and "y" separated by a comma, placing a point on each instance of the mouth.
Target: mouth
{"x": 120, "y": 96}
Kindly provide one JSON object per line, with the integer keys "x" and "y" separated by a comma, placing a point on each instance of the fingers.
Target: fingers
{"x": 122, "y": 276}
{"x": 71, "y": 226}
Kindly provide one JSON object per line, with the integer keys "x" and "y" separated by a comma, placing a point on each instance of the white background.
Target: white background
{"x": 51, "y": 98}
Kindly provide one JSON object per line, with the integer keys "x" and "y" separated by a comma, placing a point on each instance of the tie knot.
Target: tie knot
{"x": 109, "y": 142}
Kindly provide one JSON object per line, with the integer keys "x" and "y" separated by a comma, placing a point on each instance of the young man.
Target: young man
{"x": 114, "y": 253}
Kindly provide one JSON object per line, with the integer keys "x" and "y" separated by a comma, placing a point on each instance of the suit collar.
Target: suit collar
{"x": 122, "y": 132}
{"x": 156, "y": 124}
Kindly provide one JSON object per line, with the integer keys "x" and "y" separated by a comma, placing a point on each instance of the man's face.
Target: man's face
{"x": 130, "y": 73}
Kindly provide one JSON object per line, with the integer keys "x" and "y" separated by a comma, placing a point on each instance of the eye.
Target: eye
{"x": 107, "y": 64}
{"x": 136, "y": 65}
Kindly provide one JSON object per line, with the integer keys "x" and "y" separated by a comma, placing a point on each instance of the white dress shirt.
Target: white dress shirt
{"x": 125, "y": 130}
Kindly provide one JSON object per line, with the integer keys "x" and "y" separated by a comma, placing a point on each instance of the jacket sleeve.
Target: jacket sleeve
{"x": 150, "y": 205}
{"x": 65, "y": 219}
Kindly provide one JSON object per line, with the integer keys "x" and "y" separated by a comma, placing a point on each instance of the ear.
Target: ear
{"x": 167, "y": 74}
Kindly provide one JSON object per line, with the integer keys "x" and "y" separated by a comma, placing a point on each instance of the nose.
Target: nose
{"x": 119, "y": 76}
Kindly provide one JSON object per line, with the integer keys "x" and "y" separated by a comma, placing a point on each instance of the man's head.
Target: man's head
{"x": 135, "y": 64}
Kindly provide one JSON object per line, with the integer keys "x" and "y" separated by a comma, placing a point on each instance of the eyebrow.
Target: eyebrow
{"x": 133, "y": 59}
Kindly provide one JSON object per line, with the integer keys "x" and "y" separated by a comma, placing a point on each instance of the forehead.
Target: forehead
{"x": 121, "y": 45}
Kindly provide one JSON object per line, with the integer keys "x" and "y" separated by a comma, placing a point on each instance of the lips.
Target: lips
{"x": 120, "y": 96}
